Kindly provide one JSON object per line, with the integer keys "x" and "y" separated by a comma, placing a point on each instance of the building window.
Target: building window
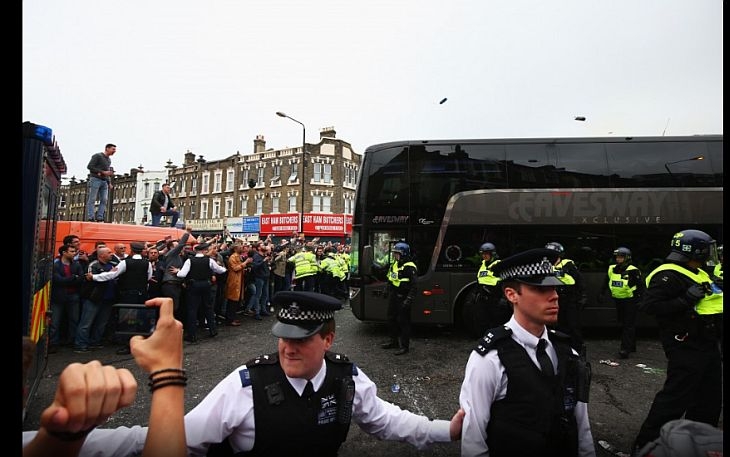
{"x": 216, "y": 209}
{"x": 259, "y": 205}
{"x": 274, "y": 204}
{"x": 322, "y": 204}
{"x": 204, "y": 210}
{"x": 217, "y": 181}
{"x": 277, "y": 172}
{"x": 194, "y": 185}
{"x": 146, "y": 190}
{"x": 229, "y": 207}
{"x": 327, "y": 172}
{"x": 317, "y": 172}
{"x": 230, "y": 179}
{"x": 205, "y": 183}
{"x": 348, "y": 205}
{"x": 293, "y": 174}
{"x": 293, "y": 204}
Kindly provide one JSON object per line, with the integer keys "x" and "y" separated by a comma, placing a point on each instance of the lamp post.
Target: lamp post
{"x": 666, "y": 165}
{"x": 304, "y": 164}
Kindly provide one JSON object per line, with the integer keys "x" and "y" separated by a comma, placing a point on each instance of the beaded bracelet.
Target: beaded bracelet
{"x": 70, "y": 436}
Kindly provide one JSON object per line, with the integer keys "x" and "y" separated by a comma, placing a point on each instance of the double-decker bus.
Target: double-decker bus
{"x": 447, "y": 197}
{"x": 42, "y": 167}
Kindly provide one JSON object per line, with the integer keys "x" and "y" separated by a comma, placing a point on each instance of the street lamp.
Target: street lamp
{"x": 304, "y": 164}
{"x": 666, "y": 165}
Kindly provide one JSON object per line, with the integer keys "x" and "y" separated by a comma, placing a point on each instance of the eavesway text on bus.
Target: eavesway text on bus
{"x": 593, "y": 208}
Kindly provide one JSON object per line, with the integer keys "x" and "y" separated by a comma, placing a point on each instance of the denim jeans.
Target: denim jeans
{"x": 68, "y": 307}
{"x": 92, "y": 324}
{"x": 97, "y": 188}
{"x": 255, "y": 302}
{"x": 170, "y": 214}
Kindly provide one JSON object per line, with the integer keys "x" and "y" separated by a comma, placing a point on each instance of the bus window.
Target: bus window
{"x": 529, "y": 166}
{"x": 582, "y": 165}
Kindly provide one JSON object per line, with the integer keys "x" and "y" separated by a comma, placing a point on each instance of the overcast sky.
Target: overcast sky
{"x": 159, "y": 77}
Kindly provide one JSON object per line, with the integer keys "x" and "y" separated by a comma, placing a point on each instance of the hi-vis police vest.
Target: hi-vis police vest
{"x": 485, "y": 276}
{"x": 710, "y": 304}
{"x": 394, "y": 275}
{"x": 562, "y": 275}
{"x": 618, "y": 284}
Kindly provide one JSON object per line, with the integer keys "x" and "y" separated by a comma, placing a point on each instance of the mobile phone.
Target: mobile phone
{"x": 134, "y": 319}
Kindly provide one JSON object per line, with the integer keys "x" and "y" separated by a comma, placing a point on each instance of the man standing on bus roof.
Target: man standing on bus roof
{"x": 401, "y": 292}
{"x": 100, "y": 173}
{"x": 572, "y": 298}
{"x": 688, "y": 308}
{"x": 626, "y": 286}
{"x": 525, "y": 390}
{"x": 162, "y": 205}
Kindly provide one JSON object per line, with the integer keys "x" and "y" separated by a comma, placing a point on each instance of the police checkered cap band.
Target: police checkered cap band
{"x": 296, "y": 315}
{"x": 540, "y": 268}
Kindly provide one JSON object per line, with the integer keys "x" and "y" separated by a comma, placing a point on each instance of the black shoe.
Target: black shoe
{"x": 124, "y": 351}
{"x": 623, "y": 354}
{"x": 82, "y": 350}
{"x": 191, "y": 339}
{"x": 401, "y": 351}
{"x": 390, "y": 345}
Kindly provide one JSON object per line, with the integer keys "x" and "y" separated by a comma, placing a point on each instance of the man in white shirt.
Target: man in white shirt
{"x": 544, "y": 411}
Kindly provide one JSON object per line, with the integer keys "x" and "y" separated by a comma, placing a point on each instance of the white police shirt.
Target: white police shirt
{"x": 485, "y": 382}
{"x": 227, "y": 411}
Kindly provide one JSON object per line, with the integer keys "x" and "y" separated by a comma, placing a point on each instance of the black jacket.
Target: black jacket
{"x": 158, "y": 199}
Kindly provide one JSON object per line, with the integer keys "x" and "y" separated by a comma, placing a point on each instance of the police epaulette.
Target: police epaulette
{"x": 557, "y": 335}
{"x": 264, "y": 359}
{"x": 490, "y": 338}
{"x": 340, "y": 358}
{"x": 337, "y": 357}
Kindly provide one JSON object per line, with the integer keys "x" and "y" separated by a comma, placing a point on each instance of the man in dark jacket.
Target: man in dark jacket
{"x": 68, "y": 275}
{"x": 162, "y": 205}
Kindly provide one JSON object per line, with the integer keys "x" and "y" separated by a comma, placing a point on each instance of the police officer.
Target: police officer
{"x": 525, "y": 389}
{"x": 498, "y": 310}
{"x": 198, "y": 272}
{"x": 688, "y": 308}
{"x": 401, "y": 292}
{"x": 301, "y": 399}
{"x": 626, "y": 286}
{"x": 717, "y": 270}
{"x": 306, "y": 268}
{"x": 572, "y": 299}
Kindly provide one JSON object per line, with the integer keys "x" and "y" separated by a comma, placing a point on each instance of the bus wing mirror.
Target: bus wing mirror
{"x": 367, "y": 261}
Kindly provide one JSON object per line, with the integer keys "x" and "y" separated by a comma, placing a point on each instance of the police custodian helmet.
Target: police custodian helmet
{"x": 692, "y": 245}
{"x": 534, "y": 267}
{"x": 555, "y": 246}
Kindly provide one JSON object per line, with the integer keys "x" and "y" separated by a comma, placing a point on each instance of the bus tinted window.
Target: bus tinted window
{"x": 529, "y": 166}
{"x": 660, "y": 164}
{"x": 385, "y": 182}
{"x": 581, "y": 165}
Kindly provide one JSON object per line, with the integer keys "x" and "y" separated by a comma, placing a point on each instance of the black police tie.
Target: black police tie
{"x": 308, "y": 390}
{"x": 546, "y": 365}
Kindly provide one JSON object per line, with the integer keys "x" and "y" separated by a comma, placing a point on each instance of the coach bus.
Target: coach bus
{"x": 447, "y": 197}
{"x": 42, "y": 167}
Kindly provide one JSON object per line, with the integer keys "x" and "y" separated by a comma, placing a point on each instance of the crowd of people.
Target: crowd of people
{"x": 212, "y": 281}
{"x": 526, "y": 383}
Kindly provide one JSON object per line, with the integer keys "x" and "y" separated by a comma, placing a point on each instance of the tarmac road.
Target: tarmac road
{"x": 429, "y": 377}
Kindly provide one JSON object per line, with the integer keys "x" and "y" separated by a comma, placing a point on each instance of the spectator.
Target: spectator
{"x": 97, "y": 308}
{"x": 68, "y": 275}
{"x": 100, "y": 173}
{"x": 162, "y": 205}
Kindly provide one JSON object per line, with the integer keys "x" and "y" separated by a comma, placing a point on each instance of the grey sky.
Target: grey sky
{"x": 160, "y": 77}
